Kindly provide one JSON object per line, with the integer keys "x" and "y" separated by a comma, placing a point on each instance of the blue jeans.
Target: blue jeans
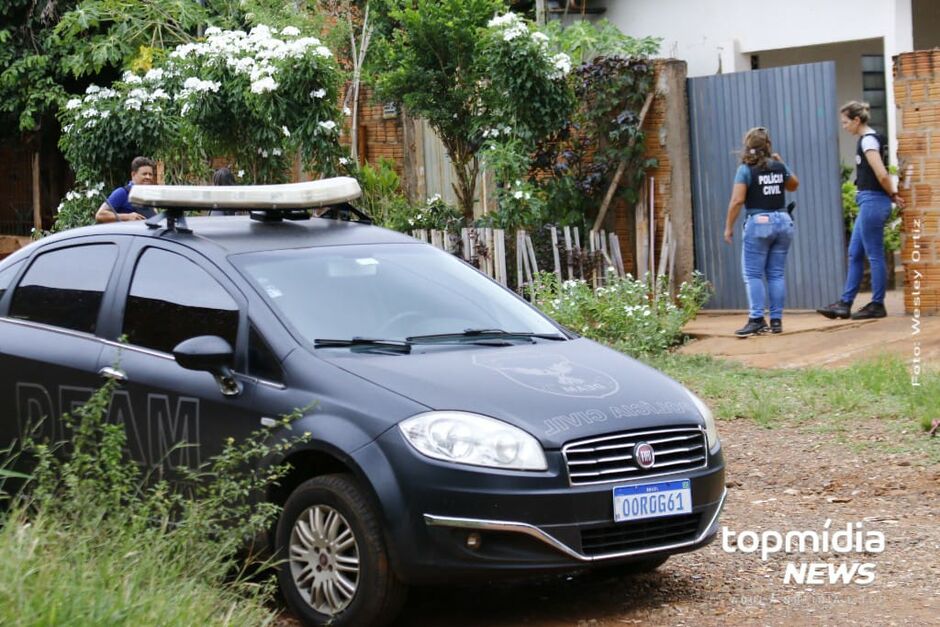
{"x": 767, "y": 238}
{"x": 868, "y": 240}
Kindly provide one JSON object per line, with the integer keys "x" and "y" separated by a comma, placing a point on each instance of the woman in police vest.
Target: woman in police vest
{"x": 875, "y": 194}
{"x": 759, "y": 186}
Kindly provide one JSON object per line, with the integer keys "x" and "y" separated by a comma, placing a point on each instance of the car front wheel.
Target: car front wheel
{"x": 335, "y": 567}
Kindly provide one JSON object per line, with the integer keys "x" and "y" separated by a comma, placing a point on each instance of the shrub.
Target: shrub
{"x": 436, "y": 214}
{"x": 133, "y": 549}
{"x": 259, "y": 98}
{"x": 623, "y": 314}
{"x": 382, "y": 198}
{"x": 79, "y": 206}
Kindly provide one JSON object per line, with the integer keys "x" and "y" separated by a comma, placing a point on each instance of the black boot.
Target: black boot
{"x": 871, "y": 310}
{"x": 754, "y": 326}
{"x": 776, "y": 325}
{"x": 838, "y": 309}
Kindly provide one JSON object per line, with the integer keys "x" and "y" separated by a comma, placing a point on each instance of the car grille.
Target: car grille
{"x": 640, "y": 534}
{"x": 610, "y": 458}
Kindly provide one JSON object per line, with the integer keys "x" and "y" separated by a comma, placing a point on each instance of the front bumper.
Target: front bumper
{"x": 504, "y": 526}
{"x": 522, "y": 523}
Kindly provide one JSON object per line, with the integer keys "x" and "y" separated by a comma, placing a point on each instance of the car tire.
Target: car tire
{"x": 334, "y": 567}
{"x": 626, "y": 569}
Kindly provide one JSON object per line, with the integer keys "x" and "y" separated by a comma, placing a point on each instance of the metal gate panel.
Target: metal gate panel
{"x": 798, "y": 106}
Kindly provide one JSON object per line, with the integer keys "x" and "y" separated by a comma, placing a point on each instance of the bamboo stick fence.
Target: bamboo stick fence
{"x": 486, "y": 249}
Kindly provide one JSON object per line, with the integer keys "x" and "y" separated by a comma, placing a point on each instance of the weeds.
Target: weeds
{"x": 90, "y": 540}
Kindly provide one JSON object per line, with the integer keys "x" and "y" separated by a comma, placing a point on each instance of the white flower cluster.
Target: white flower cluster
{"x": 154, "y": 75}
{"x": 90, "y": 191}
{"x": 253, "y": 54}
{"x": 502, "y": 129}
{"x": 521, "y": 193}
{"x": 265, "y": 153}
{"x": 562, "y": 65}
{"x": 511, "y": 24}
{"x": 99, "y": 101}
{"x": 513, "y": 27}
{"x": 638, "y": 310}
{"x": 193, "y": 85}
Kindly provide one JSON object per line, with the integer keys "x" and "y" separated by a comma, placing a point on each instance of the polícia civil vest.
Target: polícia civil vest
{"x": 766, "y": 192}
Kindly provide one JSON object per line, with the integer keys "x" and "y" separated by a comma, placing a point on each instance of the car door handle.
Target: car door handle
{"x": 113, "y": 373}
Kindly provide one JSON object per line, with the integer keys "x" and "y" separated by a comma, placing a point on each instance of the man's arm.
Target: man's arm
{"x": 107, "y": 214}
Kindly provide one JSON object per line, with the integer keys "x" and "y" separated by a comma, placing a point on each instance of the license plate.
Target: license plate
{"x": 652, "y": 500}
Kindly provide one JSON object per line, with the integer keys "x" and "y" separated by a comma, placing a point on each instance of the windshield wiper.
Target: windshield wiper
{"x": 485, "y": 334}
{"x": 366, "y": 343}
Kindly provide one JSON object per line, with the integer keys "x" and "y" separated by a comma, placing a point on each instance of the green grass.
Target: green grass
{"x": 98, "y": 572}
{"x": 840, "y": 400}
{"x": 90, "y": 540}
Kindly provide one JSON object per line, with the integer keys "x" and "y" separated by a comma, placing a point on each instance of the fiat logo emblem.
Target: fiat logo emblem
{"x": 645, "y": 455}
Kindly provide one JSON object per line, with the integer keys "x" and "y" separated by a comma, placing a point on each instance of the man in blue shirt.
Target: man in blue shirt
{"x": 117, "y": 208}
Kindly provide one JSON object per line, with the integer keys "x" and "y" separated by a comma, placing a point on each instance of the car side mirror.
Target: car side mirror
{"x": 209, "y": 353}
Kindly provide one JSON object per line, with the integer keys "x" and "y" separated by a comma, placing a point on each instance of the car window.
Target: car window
{"x": 6, "y": 275}
{"x": 64, "y": 287}
{"x": 261, "y": 360}
{"x": 172, "y": 299}
{"x": 384, "y": 291}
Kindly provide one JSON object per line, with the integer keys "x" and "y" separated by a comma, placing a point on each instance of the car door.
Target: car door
{"x": 176, "y": 416}
{"x": 51, "y": 307}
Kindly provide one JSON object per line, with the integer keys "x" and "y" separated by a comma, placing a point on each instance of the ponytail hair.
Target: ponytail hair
{"x": 855, "y": 110}
{"x": 756, "y": 147}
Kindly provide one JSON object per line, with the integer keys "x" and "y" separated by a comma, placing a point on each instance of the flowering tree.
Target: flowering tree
{"x": 468, "y": 73}
{"x": 256, "y": 98}
{"x": 527, "y": 99}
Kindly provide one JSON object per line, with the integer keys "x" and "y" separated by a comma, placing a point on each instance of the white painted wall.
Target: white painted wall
{"x": 703, "y": 31}
{"x": 715, "y": 36}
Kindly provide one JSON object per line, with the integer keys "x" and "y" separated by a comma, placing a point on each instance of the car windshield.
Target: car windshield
{"x": 389, "y": 292}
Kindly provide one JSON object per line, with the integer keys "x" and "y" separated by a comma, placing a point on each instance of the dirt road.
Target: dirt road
{"x": 784, "y": 479}
{"x": 811, "y": 340}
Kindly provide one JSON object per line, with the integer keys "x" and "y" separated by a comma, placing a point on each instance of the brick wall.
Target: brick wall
{"x": 666, "y": 137}
{"x": 379, "y": 136}
{"x": 667, "y": 141}
{"x": 917, "y": 93}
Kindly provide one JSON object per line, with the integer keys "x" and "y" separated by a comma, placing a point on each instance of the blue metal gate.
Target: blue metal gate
{"x": 797, "y": 104}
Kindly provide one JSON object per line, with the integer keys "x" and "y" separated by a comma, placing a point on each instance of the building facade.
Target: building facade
{"x": 860, "y": 36}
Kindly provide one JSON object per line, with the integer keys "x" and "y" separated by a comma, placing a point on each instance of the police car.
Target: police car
{"x": 457, "y": 432}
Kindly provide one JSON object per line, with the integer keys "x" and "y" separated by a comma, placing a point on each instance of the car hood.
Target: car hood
{"x": 557, "y": 391}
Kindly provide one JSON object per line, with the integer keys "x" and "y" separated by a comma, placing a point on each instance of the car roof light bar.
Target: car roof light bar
{"x": 248, "y": 197}
{"x": 264, "y": 202}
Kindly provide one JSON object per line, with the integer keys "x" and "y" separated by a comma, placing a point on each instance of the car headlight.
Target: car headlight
{"x": 464, "y": 438}
{"x": 711, "y": 433}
